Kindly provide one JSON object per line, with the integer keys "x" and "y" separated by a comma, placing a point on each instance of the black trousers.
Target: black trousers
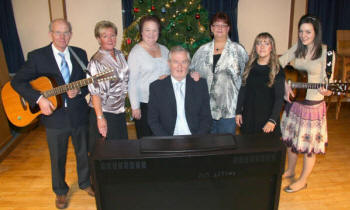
{"x": 116, "y": 128}
{"x": 141, "y": 125}
{"x": 57, "y": 140}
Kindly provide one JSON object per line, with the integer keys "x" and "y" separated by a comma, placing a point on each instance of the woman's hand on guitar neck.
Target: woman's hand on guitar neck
{"x": 288, "y": 92}
{"x": 46, "y": 107}
{"x": 324, "y": 91}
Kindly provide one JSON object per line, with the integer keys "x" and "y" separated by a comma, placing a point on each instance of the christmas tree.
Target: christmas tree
{"x": 184, "y": 22}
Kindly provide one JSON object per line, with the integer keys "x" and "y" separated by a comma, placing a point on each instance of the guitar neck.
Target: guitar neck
{"x": 308, "y": 85}
{"x": 64, "y": 88}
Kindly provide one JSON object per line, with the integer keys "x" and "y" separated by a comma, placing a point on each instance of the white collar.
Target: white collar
{"x": 56, "y": 51}
{"x": 174, "y": 81}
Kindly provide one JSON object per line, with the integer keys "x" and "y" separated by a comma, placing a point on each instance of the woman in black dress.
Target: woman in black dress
{"x": 260, "y": 98}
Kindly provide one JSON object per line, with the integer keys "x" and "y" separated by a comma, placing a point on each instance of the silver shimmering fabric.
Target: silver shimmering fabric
{"x": 224, "y": 84}
{"x": 112, "y": 92}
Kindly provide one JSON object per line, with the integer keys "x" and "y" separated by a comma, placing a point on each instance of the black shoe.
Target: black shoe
{"x": 61, "y": 201}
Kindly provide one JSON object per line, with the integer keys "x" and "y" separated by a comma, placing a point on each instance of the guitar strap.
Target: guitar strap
{"x": 79, "y": 60}
{"x": 329, "y": 63}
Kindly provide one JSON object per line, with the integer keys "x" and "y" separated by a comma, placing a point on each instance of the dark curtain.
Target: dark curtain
{"x": 9, "y": 37}
{"x": 127, "y": 12}
{"x": 228, "y": 7}
{"x": 334, "y": 15}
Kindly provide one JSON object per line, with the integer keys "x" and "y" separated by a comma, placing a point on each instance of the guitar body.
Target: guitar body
{"x": 18, "y": 110}
{"x": 21, "y": 114}
{"x": 296, "y": 76}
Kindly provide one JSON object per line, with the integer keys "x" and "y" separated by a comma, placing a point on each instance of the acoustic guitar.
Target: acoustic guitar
{"x": 297, "y": 80}
{"x": 21, "y": 114}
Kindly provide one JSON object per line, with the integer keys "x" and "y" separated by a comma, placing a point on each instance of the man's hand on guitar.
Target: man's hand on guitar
{"x": 324, "y": 91}
{"x": 73, "y": 93}
{"x": 288, "y": 92}
{"x": 46, "y": 106}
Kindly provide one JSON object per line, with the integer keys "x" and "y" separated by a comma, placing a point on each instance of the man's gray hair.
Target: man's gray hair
{"x": 63, "y": 20}
{"x": 179, "y": 49}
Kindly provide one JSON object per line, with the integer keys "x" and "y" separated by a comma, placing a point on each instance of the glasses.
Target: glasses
{"x": 220, "y": 25}
{"x": 186, "y": 62}
{"x": 59, "y": 33}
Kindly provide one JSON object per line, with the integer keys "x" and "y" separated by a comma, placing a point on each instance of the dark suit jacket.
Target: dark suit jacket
{"x": 41, "y": 62}
{"x": 162, "y": 107}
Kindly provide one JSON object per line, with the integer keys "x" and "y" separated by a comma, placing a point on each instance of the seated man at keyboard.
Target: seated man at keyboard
{"x": 178, "y": 105}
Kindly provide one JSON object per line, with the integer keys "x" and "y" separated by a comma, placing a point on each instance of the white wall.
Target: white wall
{"x": 299, "y": 11}
{"x": 32, "y": 20}
{"x": 84, "y": 14}
{"x": 256, "y": 16}
{"x": 33, "y": 17}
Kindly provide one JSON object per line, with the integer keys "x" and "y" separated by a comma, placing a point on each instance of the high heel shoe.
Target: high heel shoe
{"x": 288, "y": 189}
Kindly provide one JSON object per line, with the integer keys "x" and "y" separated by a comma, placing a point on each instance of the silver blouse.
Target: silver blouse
{"x": 224, "y": 84}
{"x": 112, "y": 92}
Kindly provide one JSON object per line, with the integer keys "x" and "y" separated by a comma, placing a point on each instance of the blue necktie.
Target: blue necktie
{"x": 64, "y": 69}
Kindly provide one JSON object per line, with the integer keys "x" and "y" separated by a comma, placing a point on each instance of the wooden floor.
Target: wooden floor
{"x": 25, "y": 181}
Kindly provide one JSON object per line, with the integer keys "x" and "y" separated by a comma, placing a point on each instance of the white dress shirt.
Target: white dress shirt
{"x": 181, "y": 126}
{"x": 59, "y": 59}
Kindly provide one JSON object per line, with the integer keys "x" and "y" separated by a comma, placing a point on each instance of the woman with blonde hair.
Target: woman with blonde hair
{"x": 260, "y": 98}
{"x": 108, "y": 97}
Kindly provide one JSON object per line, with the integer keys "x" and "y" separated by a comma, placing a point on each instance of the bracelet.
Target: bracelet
{"x": 271, "y": 120}
{"x": 100, "y": 117}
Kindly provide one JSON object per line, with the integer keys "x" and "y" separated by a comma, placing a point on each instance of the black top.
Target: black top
{"x": 215, "y": 61}
{"x": 259, "y": 103}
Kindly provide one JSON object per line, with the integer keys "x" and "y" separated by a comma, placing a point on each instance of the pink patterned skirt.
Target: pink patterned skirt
{"x": 304, "y": 127}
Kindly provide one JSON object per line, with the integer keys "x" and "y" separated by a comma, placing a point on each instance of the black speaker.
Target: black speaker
{"x": 211, "y": 172}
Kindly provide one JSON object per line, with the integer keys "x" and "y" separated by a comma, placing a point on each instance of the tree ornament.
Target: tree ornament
{"x": 140, "y": 1}
{"x": 190, "y": 2}
{"x": 136, "y": 10}
{"x": 177, "y": 34}
{"x": 149, "y": 10}
{"x": 201, "y": 29}
{"x": 189, "y": 28}
{"x": 162, "y": 19}
{"x": 192, "y": 40}
{"x": 163, "y": 10}
{"x": 185, "y": 10}
{"x": 167, "y": 5}
{"x": 174, "y": 16}
{"x": 153, "y": 8}
{"x": 197, "y": 16}
{"x": 128, "y": 41}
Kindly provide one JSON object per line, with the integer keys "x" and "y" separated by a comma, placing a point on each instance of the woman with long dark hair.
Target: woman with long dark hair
{"x": 304, "y": 123}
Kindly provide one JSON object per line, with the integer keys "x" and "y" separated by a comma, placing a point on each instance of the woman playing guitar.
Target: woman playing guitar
{"x": 304, "y": 123}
